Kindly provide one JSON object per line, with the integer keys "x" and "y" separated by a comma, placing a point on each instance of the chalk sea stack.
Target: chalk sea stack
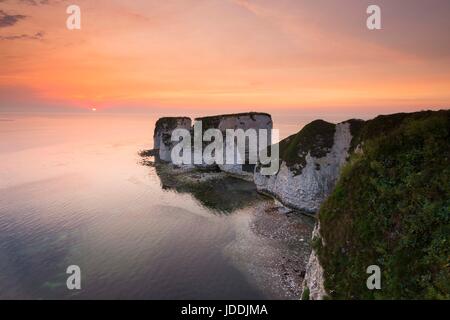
{"x": 250, "y": 120}
{"x": 164, "y": 127}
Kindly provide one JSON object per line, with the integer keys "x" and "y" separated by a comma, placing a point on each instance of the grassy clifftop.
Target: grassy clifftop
{"x": 391, "y": 208}
{"x": 315, "y": 138}
{"x": 214, "y": 121}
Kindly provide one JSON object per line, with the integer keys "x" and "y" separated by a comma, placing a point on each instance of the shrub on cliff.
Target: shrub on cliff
{"x": 315, "y": 138}
{"x": 391, "y": 208}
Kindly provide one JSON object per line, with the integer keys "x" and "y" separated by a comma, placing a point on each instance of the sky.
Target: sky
{"x": 225, "y": 55}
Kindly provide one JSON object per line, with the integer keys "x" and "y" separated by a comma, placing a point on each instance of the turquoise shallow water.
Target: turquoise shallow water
{"x": 72, "y": 192}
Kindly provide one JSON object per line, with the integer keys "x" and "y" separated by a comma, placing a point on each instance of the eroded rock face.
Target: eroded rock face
{"x": 311, "y": 162}
{"x": 163, "y": 133}
{"x": 244, "y": 121}
{"x": 252, "y": 120}
{"x": 313, "y": 281}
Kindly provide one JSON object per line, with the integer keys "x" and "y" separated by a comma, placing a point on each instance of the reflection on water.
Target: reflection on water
{"x": 73, "y": 191}
{"x": 214, "y": 190}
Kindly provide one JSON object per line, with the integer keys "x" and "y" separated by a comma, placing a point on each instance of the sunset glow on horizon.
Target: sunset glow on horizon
{"x": 225, "y": 54}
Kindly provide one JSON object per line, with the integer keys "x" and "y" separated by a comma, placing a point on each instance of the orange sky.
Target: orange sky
{"x": 225, "y": 54}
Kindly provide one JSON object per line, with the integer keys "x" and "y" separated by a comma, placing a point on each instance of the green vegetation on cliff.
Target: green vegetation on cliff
{"x": 315, "y": 138}
{"x": 391, "y": 208}
{"x": 214, "y": 121}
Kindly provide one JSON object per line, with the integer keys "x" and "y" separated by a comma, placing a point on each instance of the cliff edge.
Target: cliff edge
{"x": 390, "y": 208}
{"x": 310, "y": 164}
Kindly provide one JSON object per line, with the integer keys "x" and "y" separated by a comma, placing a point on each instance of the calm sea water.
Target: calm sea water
{"x": 73, "y": 192}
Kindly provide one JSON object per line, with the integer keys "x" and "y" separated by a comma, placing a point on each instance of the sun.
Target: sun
{"x": 94, "y": 109}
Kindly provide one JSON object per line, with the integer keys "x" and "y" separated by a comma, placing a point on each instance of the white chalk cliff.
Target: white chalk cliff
{"x": 163, "y": 133}
{"x": 314, "y": 278}
{"x": 244, "y": 121}
{"x": 304, "y": 185}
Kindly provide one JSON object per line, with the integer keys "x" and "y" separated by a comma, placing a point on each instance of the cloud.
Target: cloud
{"x": 252, "y": 7}
{"x": 35, "y": 2}
{"x": 36, "y": 36}
{"x": 31, "y": 2}
{"x": 8, "y": 20}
